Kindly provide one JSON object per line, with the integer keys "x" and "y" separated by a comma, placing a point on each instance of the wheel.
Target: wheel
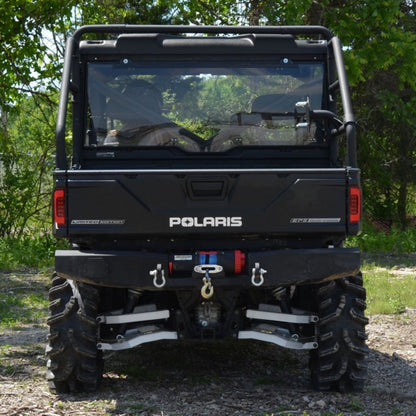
{"x": 74, "y": 362}
{"x": 339, "y": 362}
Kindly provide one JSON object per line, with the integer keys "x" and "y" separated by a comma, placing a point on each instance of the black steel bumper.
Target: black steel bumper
{"x": 135, "y": 269}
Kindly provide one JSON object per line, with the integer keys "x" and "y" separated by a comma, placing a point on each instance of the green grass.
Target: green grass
{"x": 390, "y": 288}
{"x": 389, "y": 265}
{"x": 26, "y": 309}
{"x": 23, "y": 299}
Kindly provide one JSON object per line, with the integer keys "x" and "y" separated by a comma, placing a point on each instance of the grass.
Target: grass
{"x": 389, "y": 268}
{"x": 23, "y": 299}
{"x": 20, "y": 359}
{"x": 390, "y": 288}
{"x": 27, "y": 309}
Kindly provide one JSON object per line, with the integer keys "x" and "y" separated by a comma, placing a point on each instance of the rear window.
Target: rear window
{"x": 203, "y": 107}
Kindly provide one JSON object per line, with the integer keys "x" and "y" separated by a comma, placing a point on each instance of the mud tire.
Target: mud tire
{"x": 74, "y": 363}
{"x": 339, "y": 363}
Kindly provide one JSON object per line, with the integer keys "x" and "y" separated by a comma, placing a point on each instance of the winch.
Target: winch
{"x": 232, "y": 262}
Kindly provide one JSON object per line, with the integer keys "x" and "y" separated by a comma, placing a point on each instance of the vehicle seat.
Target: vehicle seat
{"x": 140, "y": 102}
{"x": 274, "y": 103}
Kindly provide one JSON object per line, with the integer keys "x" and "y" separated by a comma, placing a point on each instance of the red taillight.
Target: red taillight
{"x": 59, "y": 207}
{"x": 355, "y": 204}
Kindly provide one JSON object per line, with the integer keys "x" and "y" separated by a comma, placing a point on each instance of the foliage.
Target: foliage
{"x": 132, "y": 12}
{"x": 387, "y": 147}
{"x": 27, "y": 251}
{"x": 394, "y": 241}
{"x": 27, "y": 163}
{"x": 31, "y": 37}
{"x": 379, "y": 62}
{"x": 28, "y": 63}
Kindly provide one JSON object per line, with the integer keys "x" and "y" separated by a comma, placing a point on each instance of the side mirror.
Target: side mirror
{"x": 303, "y": 115}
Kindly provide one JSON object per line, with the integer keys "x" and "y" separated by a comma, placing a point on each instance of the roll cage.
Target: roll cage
{"x": 188, "y": 42}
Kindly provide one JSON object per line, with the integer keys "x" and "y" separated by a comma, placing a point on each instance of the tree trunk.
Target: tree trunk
{"x": 3, "y": 122}
{"x": 255, "y": 11}
{"x": 402, "y": 203}
{"x": 314, "y": 16}
{"x": 404, "y": 170}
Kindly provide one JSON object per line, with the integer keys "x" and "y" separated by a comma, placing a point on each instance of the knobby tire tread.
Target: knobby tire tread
{"x": 339, "y": 363}
{"x": 74, "y": 362}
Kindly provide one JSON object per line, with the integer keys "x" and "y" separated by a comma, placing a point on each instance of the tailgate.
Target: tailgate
{"x": 177, "y": 202}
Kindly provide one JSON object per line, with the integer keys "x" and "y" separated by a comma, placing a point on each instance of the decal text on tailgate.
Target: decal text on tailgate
{"x": 189, "y": 222}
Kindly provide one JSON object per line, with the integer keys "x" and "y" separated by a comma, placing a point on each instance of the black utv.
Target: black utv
{"x": 206, "y": 188}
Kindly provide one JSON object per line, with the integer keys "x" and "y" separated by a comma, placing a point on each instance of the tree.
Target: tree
{"x": 132, "y": 12}
{"x": 27, "y": 165}
{"x": 380, "y": 59}
{"x": 28, "y": 64}
{"x": 31, "y": 34}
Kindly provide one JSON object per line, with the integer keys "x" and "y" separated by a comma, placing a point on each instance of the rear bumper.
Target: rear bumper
{"x": 136, "y": 269}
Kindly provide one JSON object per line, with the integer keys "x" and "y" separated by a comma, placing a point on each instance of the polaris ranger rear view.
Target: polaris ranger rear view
{"x": 206, "y": 188}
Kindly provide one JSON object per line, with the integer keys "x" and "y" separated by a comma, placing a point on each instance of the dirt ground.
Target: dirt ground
{"x": 229, "y": 378}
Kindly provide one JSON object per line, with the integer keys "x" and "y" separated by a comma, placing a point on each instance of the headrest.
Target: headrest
{"x": 138, "y": 98}
{"x": 274, "y": 103}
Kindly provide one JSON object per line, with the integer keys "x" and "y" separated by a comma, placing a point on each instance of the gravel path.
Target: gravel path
{"x": 230, "y": 378}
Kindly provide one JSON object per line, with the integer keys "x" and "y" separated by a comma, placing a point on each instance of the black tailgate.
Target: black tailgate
{"x": 163, "y": 202}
